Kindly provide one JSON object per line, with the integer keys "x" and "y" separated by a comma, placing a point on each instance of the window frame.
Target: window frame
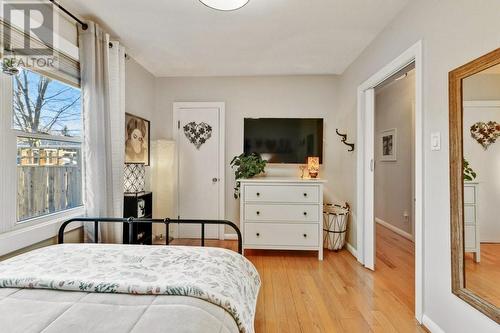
{"x": 10, "y": 135}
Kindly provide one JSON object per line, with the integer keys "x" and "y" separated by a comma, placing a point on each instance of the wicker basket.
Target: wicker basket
{"x": 335, "y": 226}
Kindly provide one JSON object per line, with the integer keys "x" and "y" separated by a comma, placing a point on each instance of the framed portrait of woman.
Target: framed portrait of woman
{"x": 137, "y": 139}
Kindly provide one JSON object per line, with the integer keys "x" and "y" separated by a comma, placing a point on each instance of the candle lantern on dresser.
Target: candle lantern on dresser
{"x": 281, "y": 213}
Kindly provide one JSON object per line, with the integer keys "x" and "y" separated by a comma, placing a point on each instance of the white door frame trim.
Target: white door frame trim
{"x": 178, "y": 107}
{"x": 365, "y": 139}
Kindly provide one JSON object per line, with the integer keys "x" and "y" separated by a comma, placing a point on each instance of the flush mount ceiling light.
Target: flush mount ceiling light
{"x": 224, "y": 4}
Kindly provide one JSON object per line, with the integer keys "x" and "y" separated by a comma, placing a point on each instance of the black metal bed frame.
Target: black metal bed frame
{"x": 166, "y": 222}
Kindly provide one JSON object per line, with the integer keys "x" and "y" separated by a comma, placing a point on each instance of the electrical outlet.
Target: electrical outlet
{"x": 406, "y": 216}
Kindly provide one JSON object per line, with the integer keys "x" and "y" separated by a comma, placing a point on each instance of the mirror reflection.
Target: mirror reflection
{"x": 481, "y": 148}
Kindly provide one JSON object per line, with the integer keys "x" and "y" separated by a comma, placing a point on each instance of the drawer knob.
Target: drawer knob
{"x": 258, "y": 234}
{"x": 305, "y": 194}
{"x": 305, "y": 213}
{"x": 305, "y": 235}
{"x": 258, "y": 213}
{"x": 258, "y": 194}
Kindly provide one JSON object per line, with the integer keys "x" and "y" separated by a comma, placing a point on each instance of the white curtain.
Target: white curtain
{"x": 103, "y": 89}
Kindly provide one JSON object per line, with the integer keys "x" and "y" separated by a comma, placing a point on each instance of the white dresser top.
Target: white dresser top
{"x": 265, "y": 179}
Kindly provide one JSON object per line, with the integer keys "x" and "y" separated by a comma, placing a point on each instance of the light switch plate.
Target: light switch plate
{"x": 436, "y": 141}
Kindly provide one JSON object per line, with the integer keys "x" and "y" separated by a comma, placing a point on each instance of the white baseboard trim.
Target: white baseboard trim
{"x": 395, "y": 229}
{"x": 431, "y": 325}
{"x": 230, "y": 237}
{"x": 352, "y": 250}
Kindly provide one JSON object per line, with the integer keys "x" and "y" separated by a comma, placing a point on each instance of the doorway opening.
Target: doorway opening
{"x": 394, "y": 182}
{"x": 369, "y": 156}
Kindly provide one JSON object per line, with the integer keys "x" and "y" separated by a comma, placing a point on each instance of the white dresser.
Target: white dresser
{"x": 279, "y": 213}
{"x": 471, "y": 222}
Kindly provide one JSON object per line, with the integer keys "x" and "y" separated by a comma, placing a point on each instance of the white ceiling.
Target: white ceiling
{"x": 266, "y": 37}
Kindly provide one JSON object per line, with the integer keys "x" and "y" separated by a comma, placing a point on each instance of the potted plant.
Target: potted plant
{"x": 469, "y": 173}
{"x": 246, "y": 166}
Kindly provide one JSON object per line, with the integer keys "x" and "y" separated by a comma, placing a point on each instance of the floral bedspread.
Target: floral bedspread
{"x": 219, "y": 276}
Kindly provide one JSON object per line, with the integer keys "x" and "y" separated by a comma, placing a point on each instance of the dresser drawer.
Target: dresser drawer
{"x": 281, "y": 234}
{"x": 282, "y": 193}
{"x": 277, "y": 212}
{"x": 470, "y": 214}
{"x": 470, "y": 237}
{"x": 469, "y": 194}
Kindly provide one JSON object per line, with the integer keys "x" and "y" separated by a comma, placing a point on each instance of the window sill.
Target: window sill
{"x": 37, "y": 230}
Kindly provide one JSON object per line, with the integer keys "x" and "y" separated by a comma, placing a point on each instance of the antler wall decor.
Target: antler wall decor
{"x": 344, "y": 140}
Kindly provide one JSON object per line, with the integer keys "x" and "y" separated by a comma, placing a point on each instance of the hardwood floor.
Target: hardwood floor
{"x": 483, "y": 277}
{"x": 301, "y": 294}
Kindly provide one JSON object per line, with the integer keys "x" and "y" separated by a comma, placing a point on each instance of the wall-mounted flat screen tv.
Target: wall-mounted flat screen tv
{"x": 284, "y": 140}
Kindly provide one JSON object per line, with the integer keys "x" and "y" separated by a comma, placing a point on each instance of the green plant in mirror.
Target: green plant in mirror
{"x": 246, "y": 166}
{"x": 469, "y": 173}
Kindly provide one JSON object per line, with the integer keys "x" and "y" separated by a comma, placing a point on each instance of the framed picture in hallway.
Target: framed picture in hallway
{"x": 388, "y": 145}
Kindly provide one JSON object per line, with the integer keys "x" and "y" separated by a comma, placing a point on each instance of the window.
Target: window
{"x": 47, "y": 121}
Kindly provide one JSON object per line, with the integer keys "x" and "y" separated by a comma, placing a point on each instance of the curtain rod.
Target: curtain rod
{"x": 110, "y": 44}
{"x": 83, "y": 24}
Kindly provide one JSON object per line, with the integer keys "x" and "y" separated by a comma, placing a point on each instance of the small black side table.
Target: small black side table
{"x": 138, "y": 205}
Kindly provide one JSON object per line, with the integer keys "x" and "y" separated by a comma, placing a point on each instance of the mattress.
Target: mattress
{"x": 51, "y": 311}
{"x": 128, "y": 288}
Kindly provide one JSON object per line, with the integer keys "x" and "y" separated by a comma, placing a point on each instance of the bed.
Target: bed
{"x": 128, "y": 288}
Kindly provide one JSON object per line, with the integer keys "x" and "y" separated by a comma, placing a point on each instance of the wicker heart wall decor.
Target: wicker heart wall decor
{"x": 198, "y": 134}
{"x": 485, "y": 133}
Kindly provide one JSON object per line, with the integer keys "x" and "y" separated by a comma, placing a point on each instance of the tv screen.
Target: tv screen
{"x": 284, "y": 140}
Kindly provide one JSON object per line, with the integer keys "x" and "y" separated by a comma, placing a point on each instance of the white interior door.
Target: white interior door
{"x": 199, "y": 132}
{"x": 369, "y": 232}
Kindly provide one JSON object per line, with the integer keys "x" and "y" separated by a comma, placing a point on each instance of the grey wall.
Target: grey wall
{"x": 140, "y": 98}
{"x": 453, "y": 32}
{"x": 139, "y": 90}
{"x": 285, "y": 96}
{"x": 486, "y": 163}
{"x": 482, "y": 87}
{"x": 394, "y": 180}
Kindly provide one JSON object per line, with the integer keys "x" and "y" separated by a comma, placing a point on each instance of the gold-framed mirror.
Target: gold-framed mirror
{"x": 475, "y": 182}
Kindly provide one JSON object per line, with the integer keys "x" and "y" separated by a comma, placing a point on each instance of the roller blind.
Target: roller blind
{"x": 68, "y": 67}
